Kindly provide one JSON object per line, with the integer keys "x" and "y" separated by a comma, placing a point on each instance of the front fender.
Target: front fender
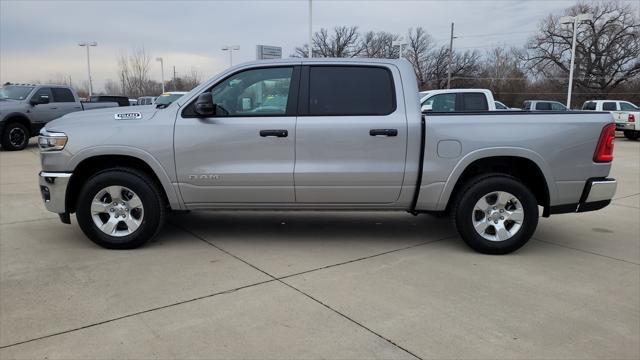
{"x": 165, "y": 177}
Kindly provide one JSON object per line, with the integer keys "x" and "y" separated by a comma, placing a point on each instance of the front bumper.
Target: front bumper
{"x": 53, "y": 188}
{"x": 596, "y": 195}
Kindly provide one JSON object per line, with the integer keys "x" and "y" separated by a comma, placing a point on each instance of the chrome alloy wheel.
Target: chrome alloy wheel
{"x": 498, "y": 216}
{"x": 17, "y": 137}
{"x": 117, "y": 211}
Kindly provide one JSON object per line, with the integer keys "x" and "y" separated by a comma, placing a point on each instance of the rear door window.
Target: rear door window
{"x": 609, "y": 106}
{"x": 558, "y": 107}
{"x": 62, "y": 95}
{"x": 351, "y": 90}
{"x": 474, "y": 102}
{"x": 543, "y": 106}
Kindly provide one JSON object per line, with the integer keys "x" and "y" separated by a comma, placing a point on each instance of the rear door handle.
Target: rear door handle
{"x": 274, "y": 133}
{"x": 383, "y": 132}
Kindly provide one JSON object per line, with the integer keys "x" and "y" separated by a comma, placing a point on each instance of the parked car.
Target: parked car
{"x": 625, "y": 114}
{"x": 543, "y": 105}
{"x": 133, "y": 102}
{"x": 457, "y": 100}
{"x": 25, "y": 108}
{"x": 121, "y": 100}
{"x": 146, "y": 100}
{"x": 350, "y": 136}
{"x": 165, "y": 99}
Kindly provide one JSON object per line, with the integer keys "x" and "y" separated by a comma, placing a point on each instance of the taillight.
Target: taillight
{"x": 632, "y": 118}
{"x": 604, "y": 151}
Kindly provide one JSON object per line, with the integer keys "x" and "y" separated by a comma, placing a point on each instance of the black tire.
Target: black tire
{"x": 632, "y": 135}
{"x": 15, "y": 137}
{"x": 140, "y": 184}
{"x": 463, "y": 213}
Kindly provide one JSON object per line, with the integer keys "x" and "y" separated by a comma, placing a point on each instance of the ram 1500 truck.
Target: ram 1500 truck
{"x": 25, "y": 108}
{"x": 310, "y": 134}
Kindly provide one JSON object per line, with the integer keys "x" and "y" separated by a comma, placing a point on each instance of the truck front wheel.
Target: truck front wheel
{"x": 632, "y": 135}
{"x": 15, "y": 137}
{"x": 120, "y": 209}
{"x": 495, "y": 214}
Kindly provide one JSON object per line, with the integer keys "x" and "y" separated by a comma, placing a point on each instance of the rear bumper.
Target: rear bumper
{"x": 596, "y": 195}
{"x": 625, "y": 126}
{"x": 53, "y": 188}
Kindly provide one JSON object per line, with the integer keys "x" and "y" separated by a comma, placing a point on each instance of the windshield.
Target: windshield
{"x": 166, "y": 99}
{"x": 15, "y": 92}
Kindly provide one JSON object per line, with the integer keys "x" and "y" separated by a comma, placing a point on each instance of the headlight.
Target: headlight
{"x": 51, "y": 141}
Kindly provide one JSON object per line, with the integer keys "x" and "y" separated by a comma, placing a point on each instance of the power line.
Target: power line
{"x": 497, "y": 34}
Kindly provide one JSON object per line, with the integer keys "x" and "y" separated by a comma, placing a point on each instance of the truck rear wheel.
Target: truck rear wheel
{"x": 632, "y": 135}
{"x": 15, "y": 137}
{"x": 120, "y": 209}
{"x": 495, "y": 214}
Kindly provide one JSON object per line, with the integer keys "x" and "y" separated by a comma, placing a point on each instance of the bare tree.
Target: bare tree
{"x": 379, "y": 45}
{"x": 464, "y": 67}
{"x": 112, "y": 87}
{"x": 134, "y": 72}
{"x": 607, "y": 49}
{"x": 417, "y": 52}
{"x": 343, "y": 42}
{"x": 501, "y": 71}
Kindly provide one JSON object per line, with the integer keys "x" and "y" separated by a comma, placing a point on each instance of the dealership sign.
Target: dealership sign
{"x": 264, "y": 52}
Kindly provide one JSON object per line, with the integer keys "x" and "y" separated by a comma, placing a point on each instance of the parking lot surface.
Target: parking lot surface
{"x": 313, "y": 285}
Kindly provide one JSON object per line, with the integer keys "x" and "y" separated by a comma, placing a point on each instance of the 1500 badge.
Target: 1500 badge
{"x": 128, "y": 116}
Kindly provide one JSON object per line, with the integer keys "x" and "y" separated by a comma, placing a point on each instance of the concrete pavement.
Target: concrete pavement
{"x": 318, "y": 285}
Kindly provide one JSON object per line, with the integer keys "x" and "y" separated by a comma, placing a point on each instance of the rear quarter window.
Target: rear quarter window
{"x": 589, "y": 106}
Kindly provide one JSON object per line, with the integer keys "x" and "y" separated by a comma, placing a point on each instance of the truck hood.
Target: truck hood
{"x": 107, "y": 117}
{"x": 7, "y": 106}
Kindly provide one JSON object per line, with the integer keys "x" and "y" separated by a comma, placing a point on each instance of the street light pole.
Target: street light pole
{"x": 87, "y": 44}
{"x": 161, "y": 71}
{"x": 576, "y": 20}
{"x": 450, "y": 58}
{"x": 310, "y": 28}
{"x": 230, "y": 49}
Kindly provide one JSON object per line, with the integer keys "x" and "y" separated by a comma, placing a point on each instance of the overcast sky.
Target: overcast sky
{"x": 38, "y": 39}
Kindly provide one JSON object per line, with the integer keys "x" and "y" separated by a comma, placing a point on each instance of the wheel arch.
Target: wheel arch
{"x": 89, "y": 162}
{"x": 19, "y": 118}
{"x": 523, "y": 164}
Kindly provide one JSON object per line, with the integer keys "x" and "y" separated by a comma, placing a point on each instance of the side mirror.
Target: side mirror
{"x": 42, "y": 99}
{"x": 205, "y": 105}
{"x": 427, "y": 107}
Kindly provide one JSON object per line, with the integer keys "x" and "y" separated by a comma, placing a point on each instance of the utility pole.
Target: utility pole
{"x": 88, "y": 44}
{"x": 450, "y": 58}
{"x": 310, "y": 28}
{"x": 175, "y": 86}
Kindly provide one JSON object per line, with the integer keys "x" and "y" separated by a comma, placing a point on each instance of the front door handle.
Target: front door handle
{"x": 274, "y": 133}
{"x": 383, "y": 132}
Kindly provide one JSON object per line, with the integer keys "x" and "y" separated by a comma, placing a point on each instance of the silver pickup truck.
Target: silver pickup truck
{"x": 323, "y": 134}
{"x": 25, "y": 108}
